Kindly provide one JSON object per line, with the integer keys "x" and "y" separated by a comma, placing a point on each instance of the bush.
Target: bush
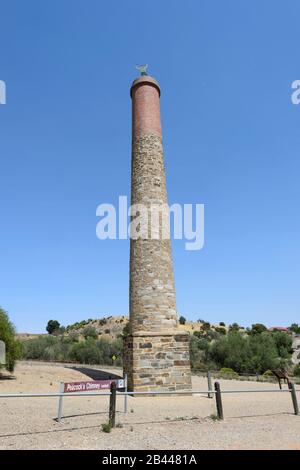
{"x": 182, "y": 320}
{"x": 220, "y": 330}
{"x": 252, "y": 354}
{"x": 90, "y": 332}
{"x": 90, "y": 351}
{"x": 221, "y": 323}
{"x": 297, "y": 370}
{"x": 228, "y": 371}
{"x": 268, "y": 373}
{"x": 126, "y": 330}
{"x": 106, "y": 427}
{"x": 73, "y": 337}
{"x": 13, "y": 346}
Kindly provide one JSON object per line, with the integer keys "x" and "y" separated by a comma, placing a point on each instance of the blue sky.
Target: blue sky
{"x": 231, "y": 140}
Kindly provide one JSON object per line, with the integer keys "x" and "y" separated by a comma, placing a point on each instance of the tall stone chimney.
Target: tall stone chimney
{"x": 156, "y": 352}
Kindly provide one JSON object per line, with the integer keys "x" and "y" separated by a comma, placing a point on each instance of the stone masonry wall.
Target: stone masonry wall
{"x": 157, "y": 362}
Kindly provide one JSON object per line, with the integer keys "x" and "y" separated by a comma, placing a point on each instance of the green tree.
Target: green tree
{"x": 263, "y": 353}
{"x": 297, "y": 370}
{"x": 253, "y": 353}
{"x": 283, "y": 343}
{"x": 205, "y": 326}
{"x": 52, "y": 326}
{"x": 182, "y": 320}
{"x": 257, "y": 328}
{"x": 234, "y": 327}
{"x": 295, "y": 328}
{"x": 13, "y": 346}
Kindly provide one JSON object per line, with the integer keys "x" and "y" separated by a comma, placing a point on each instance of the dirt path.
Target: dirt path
{"x": 252, "y": 421}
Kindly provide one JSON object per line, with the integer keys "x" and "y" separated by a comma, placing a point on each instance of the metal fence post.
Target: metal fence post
{"x": 112, "y": 404}
{"x": 209, "y": 395}
{"x": 219, "y": 400}
{"x": 126, "y": 396}
{"x": 60, "y": 402}
{"x": 294, "y": 398}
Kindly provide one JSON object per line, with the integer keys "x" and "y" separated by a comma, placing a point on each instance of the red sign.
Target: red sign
{"x": 91, "y": 386}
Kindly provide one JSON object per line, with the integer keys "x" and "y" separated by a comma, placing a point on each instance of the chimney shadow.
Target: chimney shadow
{"x": 96, "y": 374}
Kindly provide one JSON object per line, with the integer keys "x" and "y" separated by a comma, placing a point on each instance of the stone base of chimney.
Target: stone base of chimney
{"x": 157, "y": 361}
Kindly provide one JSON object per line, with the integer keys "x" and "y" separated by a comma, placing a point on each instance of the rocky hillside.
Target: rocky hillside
{"x": 110, "y": 327}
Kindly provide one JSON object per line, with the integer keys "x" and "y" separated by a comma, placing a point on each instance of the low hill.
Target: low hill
{"x": 113, "y": 326}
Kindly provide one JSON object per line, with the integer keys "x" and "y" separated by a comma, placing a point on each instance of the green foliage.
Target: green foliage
{"x": 13, "y": 346}
{"x": 257, "y": 328}
{"x": 227, "y": 371}
{"x": 234, "y": 327}
{"x": 52, "y": 326}
{"x": 126, "y": 330}
{"x": 214, "y": 417}
{"x": 205, "y": 326}
{"x": 90, "y": 351}
{"x": 182, "y": 320}
{"x": 295, "y": 328}
{"x": 297, "y": 370}
{"x": 221, "y": 323}
{"x": 90, "y": 332}
{"x": 283, "y": 342}
{"x": 254, "y": 353}
{"x": 220, "y": 330}
{"x": 106, "y": 427}
{"x": 268, "y": 373}
{"x": 73, "y": 337}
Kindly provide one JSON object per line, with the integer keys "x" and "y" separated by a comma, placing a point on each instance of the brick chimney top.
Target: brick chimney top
{"x": 145, "y": 80}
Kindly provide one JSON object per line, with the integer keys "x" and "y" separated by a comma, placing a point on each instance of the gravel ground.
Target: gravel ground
{"x": 252, "y": 420}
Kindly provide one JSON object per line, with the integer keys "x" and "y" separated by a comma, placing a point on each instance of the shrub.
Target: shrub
{"x": 221, "y": 323}
{"x": 297, "y": 370}
{"x": 7, "y": 334}
{"x": 90, "y": 351}
{"x": 268, "y": 373}
{"x": 252, "y": 354}
{"x": 126, "y": 330}
{"x": 228, "y": 371}
{"x": 205, "y": 326}
{"x": 220, "y": 330}
{"x": 182, "y": 320}
{"x": 90, "y": 332}
{"x": 106, "y": 427}
{"x": 73, "y": 337}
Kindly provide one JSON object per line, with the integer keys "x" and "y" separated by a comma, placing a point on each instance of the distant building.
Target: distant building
{"x": 279, "y": 328}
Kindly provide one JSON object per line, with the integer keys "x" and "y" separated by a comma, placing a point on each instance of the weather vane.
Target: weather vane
{"x": 142, "y": 69}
